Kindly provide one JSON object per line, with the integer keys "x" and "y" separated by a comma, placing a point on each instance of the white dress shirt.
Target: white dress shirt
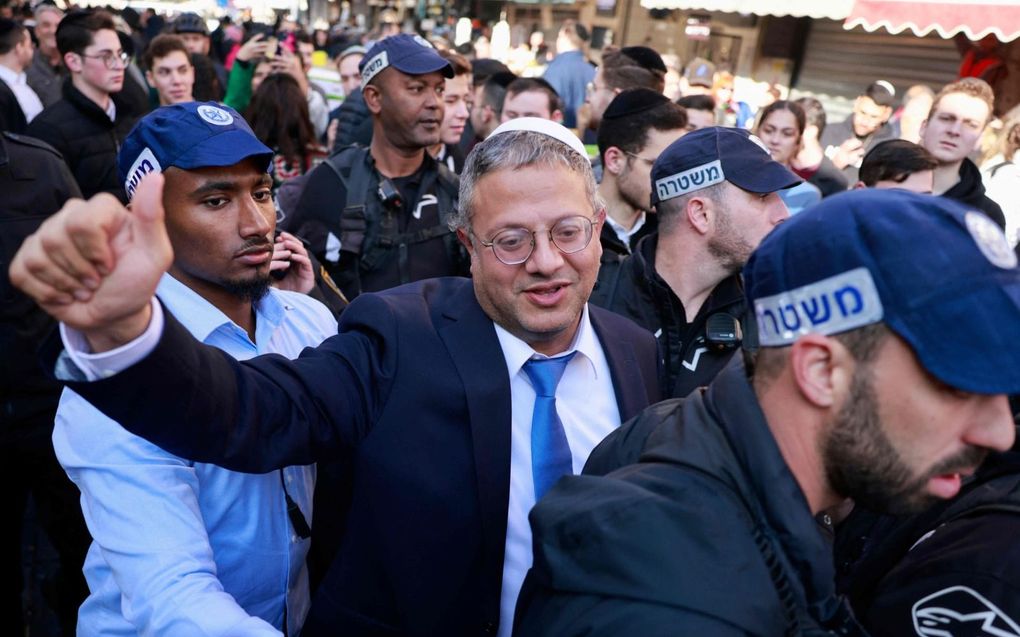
{"x": 624, "y": 234}
{"x": 586, "y": 405}
{"x": 27, "y": 99}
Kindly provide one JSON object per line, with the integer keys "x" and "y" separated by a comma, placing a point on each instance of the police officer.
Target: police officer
{"x": 715, "y": 191}
{"x": 35, "y": 183}
{"x": 377, "y": 217}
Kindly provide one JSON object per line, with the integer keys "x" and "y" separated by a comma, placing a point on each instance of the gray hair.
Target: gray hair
{"x": 43, "y": 7}
{"x": 513, "y": 150}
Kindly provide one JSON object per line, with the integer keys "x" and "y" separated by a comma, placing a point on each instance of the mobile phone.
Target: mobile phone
{"x": 274, "y": 47}
{"x": 278, "y": 274}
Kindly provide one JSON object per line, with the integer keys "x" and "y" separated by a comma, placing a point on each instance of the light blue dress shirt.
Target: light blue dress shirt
{"x": 184, "y": 548}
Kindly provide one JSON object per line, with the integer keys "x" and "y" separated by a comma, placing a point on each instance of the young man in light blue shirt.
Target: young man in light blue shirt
{"x": 185, "y": 548}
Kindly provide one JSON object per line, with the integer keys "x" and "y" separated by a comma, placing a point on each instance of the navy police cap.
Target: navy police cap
{"x": 411, "y": 54}
{"x": 187, "y": 136}
{"x": 939, "y": 274}
{"x": 709, "y": 156}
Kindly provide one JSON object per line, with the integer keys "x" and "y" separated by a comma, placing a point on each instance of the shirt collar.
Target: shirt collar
{"x": 12, "y": 77}
{"x": 623, "y": 233}
{"x": 202, "y": 318}
{"x": 517, "y": 352}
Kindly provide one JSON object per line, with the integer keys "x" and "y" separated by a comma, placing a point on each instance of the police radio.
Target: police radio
{"x": 722, "y": 332}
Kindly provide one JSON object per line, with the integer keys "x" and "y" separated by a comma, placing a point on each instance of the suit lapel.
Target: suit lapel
{"x": 470, "y": 338}
{"x": 628, "y": 383}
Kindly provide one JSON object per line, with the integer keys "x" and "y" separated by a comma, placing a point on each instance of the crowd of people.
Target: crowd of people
{"x": 324, "y": 331}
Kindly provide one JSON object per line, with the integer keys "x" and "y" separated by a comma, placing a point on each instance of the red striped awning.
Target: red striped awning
{"x": 974, "y": 18}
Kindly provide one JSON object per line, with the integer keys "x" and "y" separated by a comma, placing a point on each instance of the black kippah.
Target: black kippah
{"x": 633, "y": 101}
{"x": 645, "y": 57}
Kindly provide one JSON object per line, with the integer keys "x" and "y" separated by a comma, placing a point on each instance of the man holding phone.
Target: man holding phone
{"x": 184, "y": 548}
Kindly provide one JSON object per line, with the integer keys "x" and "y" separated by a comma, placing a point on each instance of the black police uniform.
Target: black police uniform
{"x": 35, "y": 183}
{"x": 690, "y": 358}
{"x": 948, "y": 571}
{"x": 371, "y": 238}
{"x": 686, "y": 521}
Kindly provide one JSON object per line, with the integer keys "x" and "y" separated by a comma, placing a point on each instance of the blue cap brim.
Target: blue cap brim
{"x": 422, "y": 64}
{"x": 982, "y": 354}
{"x": 226, "y": 149}
{"x": 768, "y": 176}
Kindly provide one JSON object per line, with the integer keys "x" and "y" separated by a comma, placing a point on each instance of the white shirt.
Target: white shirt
{"x": 586, "y": 405}
{"x": 585, "y": 402}
{"x": 623, "y": 234}
{"x": 27, "y": 99}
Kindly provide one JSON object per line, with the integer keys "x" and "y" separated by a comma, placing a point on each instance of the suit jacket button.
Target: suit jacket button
{"x": 490, "y": 628}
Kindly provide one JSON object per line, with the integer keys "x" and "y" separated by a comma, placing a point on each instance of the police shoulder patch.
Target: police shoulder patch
{"x": 990, "y": 240}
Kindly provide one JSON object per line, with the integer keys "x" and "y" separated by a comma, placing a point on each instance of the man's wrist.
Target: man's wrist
{"x": 120, "y": 332}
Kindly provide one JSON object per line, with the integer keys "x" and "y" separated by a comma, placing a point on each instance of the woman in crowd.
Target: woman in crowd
{"x": 781, "y": 126}
{"x": 278, "y": 114}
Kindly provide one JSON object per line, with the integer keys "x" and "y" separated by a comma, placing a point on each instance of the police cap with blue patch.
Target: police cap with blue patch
{"x": 187, "y": 136}
{"x": 939, "y": 274}
{"x": 411, "y": 54}
{"x": 709, "y": 156}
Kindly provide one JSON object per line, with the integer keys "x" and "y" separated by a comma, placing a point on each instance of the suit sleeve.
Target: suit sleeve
{"x": 262, "y": 414}
{"x": 141, "y": 507}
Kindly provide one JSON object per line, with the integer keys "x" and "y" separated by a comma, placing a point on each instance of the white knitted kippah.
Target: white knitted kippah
{"x": 546, "y": 127}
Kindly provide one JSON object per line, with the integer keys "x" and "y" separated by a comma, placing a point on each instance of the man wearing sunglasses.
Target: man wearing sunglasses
{"x": 89, "y": 123}
{"x": 456, "y": 403}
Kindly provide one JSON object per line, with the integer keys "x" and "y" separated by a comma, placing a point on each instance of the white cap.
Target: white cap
{"x": 546, "y": 127}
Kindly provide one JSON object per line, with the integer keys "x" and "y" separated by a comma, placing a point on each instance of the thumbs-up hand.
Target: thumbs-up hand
{"x": 95, "y": 264}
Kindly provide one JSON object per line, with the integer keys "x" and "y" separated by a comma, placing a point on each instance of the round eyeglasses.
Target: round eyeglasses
{"x": 110, "y": 59}
{"x": 514, "y": 246}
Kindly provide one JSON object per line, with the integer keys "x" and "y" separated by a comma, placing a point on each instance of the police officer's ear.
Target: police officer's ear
{"x": 372, "y": 94}
{"x": 700, "y": 214}
{"x": 822, "y": 369}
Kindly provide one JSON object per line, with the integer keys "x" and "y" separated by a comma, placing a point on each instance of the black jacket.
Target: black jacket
{"x": 355, "y": 122}
{"x": 970, "y": 190}
{"x": 35, "y": 183}
{"x": 615, "y": 252}
{"x": 829, "y": 179}
{"x": 12, "y": 118}
{"x": 708, "y": 534}
{"x": 959, "y": 556}
{"x": 640, "y": 294}
{"x": 81, "y": 131}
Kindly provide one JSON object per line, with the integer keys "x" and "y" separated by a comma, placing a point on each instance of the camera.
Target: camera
{"x": 389, "y": 195}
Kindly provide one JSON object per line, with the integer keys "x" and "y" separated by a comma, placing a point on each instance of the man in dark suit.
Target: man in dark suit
{"x": 437, "y": 391}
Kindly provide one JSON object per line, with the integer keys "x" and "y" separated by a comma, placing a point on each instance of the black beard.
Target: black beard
{"x": 252, "y": 290}
{"x": 862, "y": 463}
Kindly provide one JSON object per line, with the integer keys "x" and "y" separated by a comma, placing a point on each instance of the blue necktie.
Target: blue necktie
{"x": 550, "y": 452}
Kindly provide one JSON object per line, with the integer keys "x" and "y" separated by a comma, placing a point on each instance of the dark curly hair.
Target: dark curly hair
{"x": 278, "y": 113}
